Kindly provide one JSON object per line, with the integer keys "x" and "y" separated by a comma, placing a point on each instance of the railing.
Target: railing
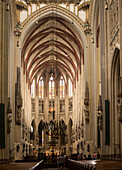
{"x": 38, "y": 166}
{"x": 79, "y": 165}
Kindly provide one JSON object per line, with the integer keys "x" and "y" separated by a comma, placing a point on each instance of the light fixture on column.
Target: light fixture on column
{"x": 92, "y": 40}
{"x": 106, "y": 6}
{"x": 7, "y": 7}
{"x": 17, "y": 43}
{"x": 37, "y": 22}
{"x": 17, "y": 31}
{"x": 87, "y": 27}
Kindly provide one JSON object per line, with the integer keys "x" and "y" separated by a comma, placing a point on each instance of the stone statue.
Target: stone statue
{"x": 18, "y": 99}
{"x": 86, "y": 103}
{"x": 9, "y": 119}
{"x": 18, "y": 119}
{"x": 119, "y": 101}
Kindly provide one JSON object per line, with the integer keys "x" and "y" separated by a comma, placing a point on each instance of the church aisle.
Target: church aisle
{"x": 61, "y": 84}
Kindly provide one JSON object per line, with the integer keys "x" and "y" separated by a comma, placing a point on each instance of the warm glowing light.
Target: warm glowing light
{"x": 51, "y": 109}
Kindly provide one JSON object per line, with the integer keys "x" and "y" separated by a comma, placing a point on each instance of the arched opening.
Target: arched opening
{"x": 63, "y": 128}
{"x": 41, "y": 133}
{"x": 32, "y": 131}
{"x": 70, "y": 139}
{"x": 116, "y": 130}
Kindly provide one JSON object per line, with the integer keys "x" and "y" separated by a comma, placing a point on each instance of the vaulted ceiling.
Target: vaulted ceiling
{"x": 52, "y": 1}
{"x": 52, "y": 45}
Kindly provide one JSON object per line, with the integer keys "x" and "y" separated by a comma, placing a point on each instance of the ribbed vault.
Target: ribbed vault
{"x": 52, "y": 45}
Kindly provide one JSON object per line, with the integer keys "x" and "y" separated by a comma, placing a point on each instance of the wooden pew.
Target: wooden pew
{"x": 38, "y": 166}
{"x": 79, "y": 165}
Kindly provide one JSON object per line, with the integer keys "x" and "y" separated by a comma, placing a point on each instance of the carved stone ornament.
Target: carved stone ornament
{"x": 82, "y": 131}
{"x": 18, "y": 99}
{"x": 86, "y": 103}
{"x": 21, "y": 6}
{"x": 17, "y": 30}
{"x": 86, "y": 100}
{"x": 66, "y": 139}
{"x": 9, "y": 119}
{"x": 37, "y": 138}
{"x": 100, "y": 120}
{"x": 87, "y": 27}
{"x": 119, "y": 101}
{"x": 99, "y": 113}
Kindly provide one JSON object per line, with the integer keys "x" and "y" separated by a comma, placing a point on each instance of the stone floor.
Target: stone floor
{"x": 109, "y": 165}
{"x": 17, "y": 166}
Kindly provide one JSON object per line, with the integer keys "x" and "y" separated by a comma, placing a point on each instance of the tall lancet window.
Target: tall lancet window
{"x": 41, "y": 88}
{"x": 70, "y": 88}
{"x": 33, "y": 89}
{"x": 51, "y": 87}
{"x": 62, "y": 87}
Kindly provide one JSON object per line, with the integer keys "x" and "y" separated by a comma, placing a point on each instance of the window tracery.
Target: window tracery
{"x": 41, "y": 88}
{"x": 70, "y": 104}
{"x": 62, "y": 87}
{"x": 70, "y": 88}
{"x": 33, "y": 89}
{"x": 51, "y": 87}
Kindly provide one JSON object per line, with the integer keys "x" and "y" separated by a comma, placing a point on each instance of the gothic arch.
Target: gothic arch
{"x": 33, "y": 130}
{"x": 70, "y": 124}
{"x": 115, "y": 124}
{"x": 40, "y": 129}
{"x": 69, "y": 51}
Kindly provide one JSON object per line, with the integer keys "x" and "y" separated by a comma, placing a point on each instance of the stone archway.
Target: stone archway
{"x": 33, "y": 131}
{"x": 41, "y": 133}
{"x": 115, "y": 124}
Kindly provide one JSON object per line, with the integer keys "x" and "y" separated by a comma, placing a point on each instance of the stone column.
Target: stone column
{"x": 120, "y": 38}
{"x": 120, "y": 16}
{"x": 102, "y": 58}
{"x": 36, "y": 113}
{"x": 3, "y": 81}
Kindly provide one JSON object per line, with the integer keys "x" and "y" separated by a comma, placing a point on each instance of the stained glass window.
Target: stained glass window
{"x": 33, "y": 89}
{"x": 41, "y": 88}
{"x": 70, "y": 88}
{"x": 43, "y": 138}
{"x": 51, "y": 87}
{"x": 62, "y": 87}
